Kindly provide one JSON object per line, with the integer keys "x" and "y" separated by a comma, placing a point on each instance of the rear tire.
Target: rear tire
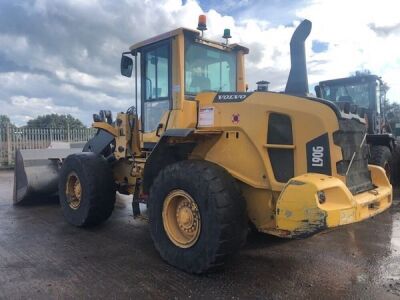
{"x": 381, "y": 156}
{"x": 86, "y": 189}
{"x": 218, "y": 206}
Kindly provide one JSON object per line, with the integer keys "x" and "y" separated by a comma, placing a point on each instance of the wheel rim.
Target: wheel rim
{"x": 181, "y": 219}
{"x": 73, "y": 191}
{"x": 388, "y": 170}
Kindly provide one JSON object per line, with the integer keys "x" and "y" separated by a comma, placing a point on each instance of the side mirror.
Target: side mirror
{"x": 126, "y": 66}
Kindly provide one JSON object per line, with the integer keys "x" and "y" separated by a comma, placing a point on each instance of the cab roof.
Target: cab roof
{"x": 186, "y": 31}
{"x": 350, "y": 80}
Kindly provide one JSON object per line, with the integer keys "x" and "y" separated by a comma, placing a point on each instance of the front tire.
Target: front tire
{"x": 197, "y": 215}
{"x": 382, "y": 157}
{"x": 86, "y": 189}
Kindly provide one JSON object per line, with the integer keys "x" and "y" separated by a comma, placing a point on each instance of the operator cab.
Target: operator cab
{"x": 174, "y": 67}
{"x": 361, "y": 94}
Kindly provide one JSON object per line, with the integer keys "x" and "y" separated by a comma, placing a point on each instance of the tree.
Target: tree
{"x": 392, "y": 110}
{"x": 4, "y": 120}
{"x": 362, "y": 72}
{"x": 55, "y": 121}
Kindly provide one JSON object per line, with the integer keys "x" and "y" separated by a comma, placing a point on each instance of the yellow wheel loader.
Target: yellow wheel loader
{"x": 208, "y": 157}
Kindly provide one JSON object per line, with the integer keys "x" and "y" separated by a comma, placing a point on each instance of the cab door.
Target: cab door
{"x": 156, "y": 91}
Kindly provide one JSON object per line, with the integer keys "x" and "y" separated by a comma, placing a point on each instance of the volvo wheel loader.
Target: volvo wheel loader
{"x": 365, "y": 94}
{"x": 208, "y": 158}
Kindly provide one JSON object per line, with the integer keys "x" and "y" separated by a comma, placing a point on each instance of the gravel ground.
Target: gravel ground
{"x": 41, "y": 257}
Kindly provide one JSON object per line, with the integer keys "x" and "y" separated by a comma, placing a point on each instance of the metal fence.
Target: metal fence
{"x": 12, "y": 138}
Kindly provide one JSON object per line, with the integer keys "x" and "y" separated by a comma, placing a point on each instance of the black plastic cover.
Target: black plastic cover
{"x": 318, "y": 155}
{"x": 280, "y": 133}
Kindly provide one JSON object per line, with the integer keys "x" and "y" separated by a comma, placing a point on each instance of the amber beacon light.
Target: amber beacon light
{"x": 202, "y": 25}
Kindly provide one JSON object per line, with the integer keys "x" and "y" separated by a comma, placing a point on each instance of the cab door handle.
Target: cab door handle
{"x": 160, "y": 126}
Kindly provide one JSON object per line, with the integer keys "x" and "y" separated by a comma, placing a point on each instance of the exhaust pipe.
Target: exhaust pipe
{"x": 297, "y": 83}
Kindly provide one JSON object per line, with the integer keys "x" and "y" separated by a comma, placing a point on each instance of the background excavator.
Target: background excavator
{"x": 208, "y": 158}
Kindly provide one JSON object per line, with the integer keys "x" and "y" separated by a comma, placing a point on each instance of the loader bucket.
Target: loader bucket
{"x": 36, "y": 174}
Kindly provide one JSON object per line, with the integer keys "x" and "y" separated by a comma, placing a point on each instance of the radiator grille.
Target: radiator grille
{"x": 349, "y": 137}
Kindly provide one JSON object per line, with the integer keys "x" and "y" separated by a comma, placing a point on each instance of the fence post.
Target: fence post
{"x": 9, "y": 144}
{"x": 68, "y": 134}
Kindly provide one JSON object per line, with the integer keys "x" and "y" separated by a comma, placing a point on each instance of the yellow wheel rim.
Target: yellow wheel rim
{"x": 73, "y": 190}
{"x": 181, "y": 219}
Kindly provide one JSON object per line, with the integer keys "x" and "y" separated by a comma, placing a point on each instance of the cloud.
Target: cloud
{"x": 385, "y": 30}
{"x": 22, "y": 108}
{"x": 69, "y": 51}
{"x": 63, "y": 55}
{"x": 354, "y": 43}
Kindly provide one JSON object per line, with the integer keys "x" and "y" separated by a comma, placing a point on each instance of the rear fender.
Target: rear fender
{"x": 174, "y": 145}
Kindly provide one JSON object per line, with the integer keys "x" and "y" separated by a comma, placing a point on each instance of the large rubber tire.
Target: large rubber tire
{"x": 222, "y": 213}
{"x": 382, "y": 156}
{"x": 97, "y": 189}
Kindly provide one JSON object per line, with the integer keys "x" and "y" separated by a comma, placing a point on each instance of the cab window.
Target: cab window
{"x": 208, "y": 69}
{"x": 357, "y": 93}
{"x": 155, "y": 84}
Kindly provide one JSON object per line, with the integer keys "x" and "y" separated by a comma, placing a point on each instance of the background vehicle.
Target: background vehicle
{"x": 207, "y": 157}
{"x": 364, "y": 94}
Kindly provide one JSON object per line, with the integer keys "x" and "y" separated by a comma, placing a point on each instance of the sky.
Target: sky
{"x": 63, "y": 56}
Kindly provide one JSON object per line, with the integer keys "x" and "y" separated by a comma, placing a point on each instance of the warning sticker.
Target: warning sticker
{"x": 347, "y": 216}
{"x": 236, "y": 118}
{"x": 206, "y": 117}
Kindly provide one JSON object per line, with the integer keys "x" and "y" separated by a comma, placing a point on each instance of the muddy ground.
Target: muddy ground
{"x": 41, "y": 257}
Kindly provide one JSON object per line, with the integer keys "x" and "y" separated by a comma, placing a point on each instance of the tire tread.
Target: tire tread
{"x": 230, "y": 208}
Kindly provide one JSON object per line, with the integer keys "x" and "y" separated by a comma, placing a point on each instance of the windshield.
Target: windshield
{"x": 209, "y": 69}
{"x": 357, "y": 93}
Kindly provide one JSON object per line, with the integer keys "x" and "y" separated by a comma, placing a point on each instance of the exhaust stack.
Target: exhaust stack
{"x": 297, "y": 83}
